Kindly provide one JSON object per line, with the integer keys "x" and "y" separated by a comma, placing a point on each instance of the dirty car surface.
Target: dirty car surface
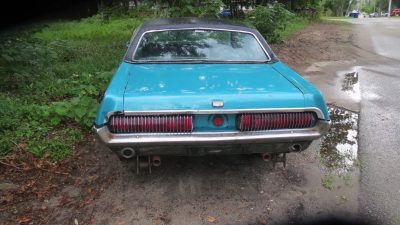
{"x": 195, "y": 86}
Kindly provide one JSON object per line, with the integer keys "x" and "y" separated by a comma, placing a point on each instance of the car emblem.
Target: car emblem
{"x": 218, "y": 104}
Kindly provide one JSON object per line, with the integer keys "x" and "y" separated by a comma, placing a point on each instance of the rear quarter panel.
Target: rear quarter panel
{"x": 114, "y": 95}
{"x": 312, "y": 96}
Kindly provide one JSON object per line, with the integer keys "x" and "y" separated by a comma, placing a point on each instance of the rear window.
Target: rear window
{"x": 199, "y": 45}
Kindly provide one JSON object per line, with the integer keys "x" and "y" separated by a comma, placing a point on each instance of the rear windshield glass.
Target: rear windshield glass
{"x": 192, "y": 45}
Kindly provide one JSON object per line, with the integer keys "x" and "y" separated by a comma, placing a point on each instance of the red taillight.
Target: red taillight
{"x": 151, "y": 124}
{"x": 218, "y": 121}
{"x": 274, "y": 121}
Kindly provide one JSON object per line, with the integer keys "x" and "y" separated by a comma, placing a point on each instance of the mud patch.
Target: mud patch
{"x": 339, "y": 147}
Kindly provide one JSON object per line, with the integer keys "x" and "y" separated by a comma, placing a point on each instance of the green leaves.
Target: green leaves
{"x": 184, "y": 8}
{"x": 83, "y": 110}
{"x": 61, "y": 110}
{"x": 58, "y": 146}
{"x": 271, "y": 21}
{"x": 50, "y": 80}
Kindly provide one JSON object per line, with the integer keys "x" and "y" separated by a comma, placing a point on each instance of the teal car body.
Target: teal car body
{"x": 216, "y": 98}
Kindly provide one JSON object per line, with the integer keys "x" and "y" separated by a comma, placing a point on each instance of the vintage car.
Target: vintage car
{"x": 192, "y": 86}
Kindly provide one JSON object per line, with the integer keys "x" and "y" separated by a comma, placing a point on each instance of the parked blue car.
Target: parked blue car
{"x": 225, "y": 13}
{"x": 193, "y": 86}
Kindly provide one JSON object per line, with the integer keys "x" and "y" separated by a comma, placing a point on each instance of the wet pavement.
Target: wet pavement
{"x": 339, "y": 148}
{"x": 338, "y": 151}
{"x": 369, "y": 85}
{"x": 351, "y": 86}
{"x": 379, "y": 126}
{"x": 338, "y": 81}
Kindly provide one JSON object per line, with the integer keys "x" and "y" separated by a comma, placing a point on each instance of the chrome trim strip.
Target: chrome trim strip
{"x": 200, "y": 28}
{"x": 234, "y": 137}
{"x": 217, "y": 111}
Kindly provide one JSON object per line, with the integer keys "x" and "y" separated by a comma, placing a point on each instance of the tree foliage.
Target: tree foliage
{"x": 270, "y": 20}
{"x": 337, "y": 7}
{"x": 205, "y": 8}
{"x": 379, "y": 5}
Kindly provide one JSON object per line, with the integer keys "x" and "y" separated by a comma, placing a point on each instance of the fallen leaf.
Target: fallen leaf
{"x": 210, "y": 219}
{"x": 26, "y": 167}
{"x": 23, "y": 220}
{"x": 28, "y": 186}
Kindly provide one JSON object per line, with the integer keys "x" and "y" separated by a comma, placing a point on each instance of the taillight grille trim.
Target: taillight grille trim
{"x": 151, "y": 124}
{"x": 275, "y": 121}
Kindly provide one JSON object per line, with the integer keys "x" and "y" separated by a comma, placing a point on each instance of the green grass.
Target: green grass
{"x": 343, "y": 21}
{"x": 328, "y": 181}
{"x": 297, "y": 24}
{"x": 336, "y": 17}
{"x": 51, "y": 75}
{"x": 90, "y": 29}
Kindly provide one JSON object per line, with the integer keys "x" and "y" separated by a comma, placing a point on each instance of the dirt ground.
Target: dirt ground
{"x": 95, "y": 187}
{"x": 319, "y": 42}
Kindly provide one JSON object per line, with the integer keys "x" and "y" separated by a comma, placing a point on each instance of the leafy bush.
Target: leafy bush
{"x": 270, "y": 21}
{"x": 113, "y": 9}
{"x": 51, "y": 76}
{"x": 368, "y": 8}
{"x": 9, "y": 122}
{"x": 296, "y": 24}
{"x": 209, "y": 8}
{"x": 142, "y": 11}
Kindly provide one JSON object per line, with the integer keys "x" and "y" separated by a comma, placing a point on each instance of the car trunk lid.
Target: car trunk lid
{"x": 195, "y": 86}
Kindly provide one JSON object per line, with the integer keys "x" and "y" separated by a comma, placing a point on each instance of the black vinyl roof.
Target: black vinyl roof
{"x": 192, "y": 22}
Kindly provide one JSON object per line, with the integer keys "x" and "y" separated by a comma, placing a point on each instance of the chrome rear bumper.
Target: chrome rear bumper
{"x": 211, "y": 138}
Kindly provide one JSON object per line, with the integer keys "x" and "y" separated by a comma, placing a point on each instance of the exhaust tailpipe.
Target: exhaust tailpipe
{"x": 156, "y": 160}
{"x": 266, "y": 156}
{"x": 128, "y": 153}
{"x": 296, "y": 148}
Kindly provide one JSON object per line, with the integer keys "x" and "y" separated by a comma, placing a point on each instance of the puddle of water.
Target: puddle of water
{"x": 339, "y": 146}
{"x": 350, "y": 79}
{"x": 351, "y": 86}
{"x": 343, "y": 89}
